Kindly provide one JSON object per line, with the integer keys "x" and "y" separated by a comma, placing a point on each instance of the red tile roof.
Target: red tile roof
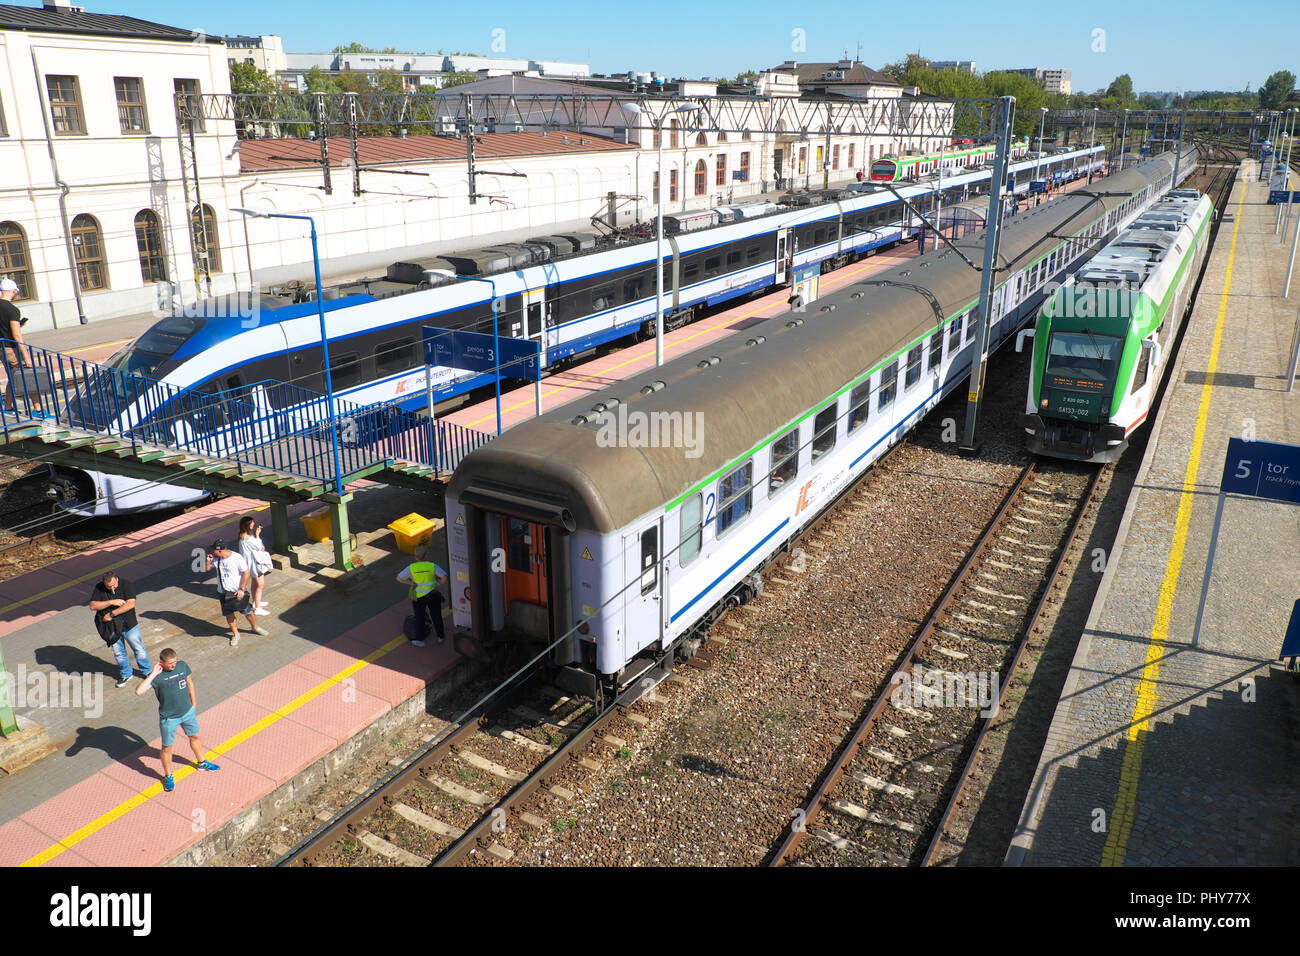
{"x": 260, "y": 155}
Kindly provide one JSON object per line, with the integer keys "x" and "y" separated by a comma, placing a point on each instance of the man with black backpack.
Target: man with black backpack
{"x": 113, "y": 604}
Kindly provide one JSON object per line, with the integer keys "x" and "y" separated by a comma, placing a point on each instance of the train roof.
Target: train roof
{"x": 756, "y": 381}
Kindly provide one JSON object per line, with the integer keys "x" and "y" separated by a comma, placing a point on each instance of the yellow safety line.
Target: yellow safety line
{"x": 201, "y": 529}
{"x": 104, "y": 819}
{"x": 102, "y": 345}
{"x": 1121, "y": 817}
{"x": 848, "y": 274}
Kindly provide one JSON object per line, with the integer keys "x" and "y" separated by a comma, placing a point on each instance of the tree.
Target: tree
{"x": 1272, "y": 95}
{"x": 318, "y": 81}
{"x": 898, "y": 71}
{"x": 1121, "y": 90}
{"x": 246, "y": 78}
{"x": 1029, "y": 97}
{"x": 458, "y": 78}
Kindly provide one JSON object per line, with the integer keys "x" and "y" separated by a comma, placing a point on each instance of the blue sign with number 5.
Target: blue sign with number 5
{"x": 1262, "y": 469}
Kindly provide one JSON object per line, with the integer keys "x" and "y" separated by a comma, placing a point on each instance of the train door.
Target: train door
{"x": 642, "y": 552}
{"x": 782, "y": 242}
{"x": 535, "y": 316}
{"x": 525, "y": 595}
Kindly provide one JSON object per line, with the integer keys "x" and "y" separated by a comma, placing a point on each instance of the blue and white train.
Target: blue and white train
{"x": 569, "y": 305}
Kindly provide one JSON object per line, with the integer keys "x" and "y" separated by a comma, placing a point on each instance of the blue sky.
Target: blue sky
{"x": 1188, "y": 45}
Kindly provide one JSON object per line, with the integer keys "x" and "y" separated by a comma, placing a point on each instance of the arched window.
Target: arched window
{"x": 88, "y": 247}
{"x": 722, "y": 137}
{"x": 672, "y": 134}
{"x": 205, "y": 237}
{"x": 14, "y": 262}
{"x": 745, "y": 136}
{"x": 701, "y": 178}
{"x": 701, "y": 140}
{"x": 148, "y": 240}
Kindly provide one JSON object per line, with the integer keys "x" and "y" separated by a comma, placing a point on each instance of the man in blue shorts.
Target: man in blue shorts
{"x": 173, "y": 682}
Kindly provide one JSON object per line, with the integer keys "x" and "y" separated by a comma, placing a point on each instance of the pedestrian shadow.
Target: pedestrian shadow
{"x": 73, "y": 660}
{"x": 188, "y": 624}
{"x": 117, "y": 743}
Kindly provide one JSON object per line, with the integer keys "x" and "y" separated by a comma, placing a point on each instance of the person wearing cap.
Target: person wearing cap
{"x": 11, "y": 323}
{"x": 232, "y": 588}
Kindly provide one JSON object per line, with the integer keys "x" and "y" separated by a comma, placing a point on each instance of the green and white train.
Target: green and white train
{"x": 1104, "y": 339}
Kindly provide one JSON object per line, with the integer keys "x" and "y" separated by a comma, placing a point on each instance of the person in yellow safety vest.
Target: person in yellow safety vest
{"x": 424, "y": 578}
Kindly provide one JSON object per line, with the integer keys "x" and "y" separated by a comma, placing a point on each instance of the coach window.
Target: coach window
{"x": 888, "y": 385}
{"x": 824, "y": 430}
{"x": 712, "y": 266}
{"x": 969, "y": 325}
{"x": 733, "y": 260}
{"x": 754, "y": 254}
{"x": 345, "y": 371}
{"x": 936, "y": 350}
{"x": 913, "y": 367}
{"x": 692, "y": 529}
{"x": 785, "y": 461}
{"x": 691, "y": 271}
{"x": 860, "y": 404}
{"x": 632, "y": 289}
{"x": 954, "y": 335}
{"x": 735, "y": 496}
{"x": 602, "y": 298}
{"x": 395, "y": 357}
{"x": 649, "y": 560}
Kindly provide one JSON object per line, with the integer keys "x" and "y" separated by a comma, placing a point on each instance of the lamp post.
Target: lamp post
{"x": 1093, "y": 141}
{"x": 1042, "y": 125}
{"x": 632, "y": 109}
{"x": 324, "y": 338}
{"x": 1123, "y": 133}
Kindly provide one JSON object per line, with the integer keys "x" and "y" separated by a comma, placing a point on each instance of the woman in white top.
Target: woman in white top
{"x": 255, "y": 555}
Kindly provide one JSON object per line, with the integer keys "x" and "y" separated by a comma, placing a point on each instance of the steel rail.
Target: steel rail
{"x": 796, "y": 829}
{"x": 987, "y": 723}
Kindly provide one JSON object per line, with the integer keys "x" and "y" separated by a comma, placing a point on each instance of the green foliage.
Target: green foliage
{"x": 246, "y": 78}
{"x": 459, "y": 78}
{"x": 1121, "y": 90}
{"x": 1272, "y": 95}
{"x": 318, "y": 81}
{"x": 1029, "y": 97}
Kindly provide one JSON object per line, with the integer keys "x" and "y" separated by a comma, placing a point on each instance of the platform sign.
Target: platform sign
{"x": 476, "y": 352}
{"x": 1262, "y": 469}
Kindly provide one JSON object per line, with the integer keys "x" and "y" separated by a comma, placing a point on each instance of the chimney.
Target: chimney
{"x": 64, "y": 5}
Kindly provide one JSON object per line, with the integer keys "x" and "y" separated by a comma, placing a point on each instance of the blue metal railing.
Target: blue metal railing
{"x": 272, "y": 425}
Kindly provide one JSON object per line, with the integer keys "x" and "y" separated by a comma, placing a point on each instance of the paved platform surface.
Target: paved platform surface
{"x": 1176, "y": 741}
{"x": 334, "y": 663}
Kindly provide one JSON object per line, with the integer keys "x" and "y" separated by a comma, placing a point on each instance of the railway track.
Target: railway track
{"x": 445, "y": 805}
{"x": 890, "y": 795}
{"x": 901, "y": 771}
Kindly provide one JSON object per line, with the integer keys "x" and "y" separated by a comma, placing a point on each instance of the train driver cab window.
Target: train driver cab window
{"x": 649, "y": 560}
{"x": 888, "y": 385}
{"x": 735, "y": 497}
{"x": 859, "y": 404}
{"x": 785, "y": 461}
{"x": 824, "y": 430}
{"x": 1140, "y": 370}
{"x": 913, "y": 367}
{"x": 692, "y": 528}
